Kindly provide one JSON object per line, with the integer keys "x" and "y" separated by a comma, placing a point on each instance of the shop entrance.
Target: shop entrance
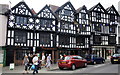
{"x": 9, "y": 57}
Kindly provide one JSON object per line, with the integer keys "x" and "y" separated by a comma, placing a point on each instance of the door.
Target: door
{"x": 9, "y": 57}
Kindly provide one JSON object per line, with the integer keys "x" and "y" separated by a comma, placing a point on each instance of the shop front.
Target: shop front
{"x": 103, "y": 51}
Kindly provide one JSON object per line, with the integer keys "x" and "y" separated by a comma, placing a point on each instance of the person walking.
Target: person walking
{"x": 35, "y": 62}
{"x": 25, "y": 62}
{"x": 48, "y": 63}
{"x": 61, "y": 57}
{"x": 43, "y": 60}
{"x": 30, "y": 61}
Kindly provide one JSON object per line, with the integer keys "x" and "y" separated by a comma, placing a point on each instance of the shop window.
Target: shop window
{"x": 20, "y": 36}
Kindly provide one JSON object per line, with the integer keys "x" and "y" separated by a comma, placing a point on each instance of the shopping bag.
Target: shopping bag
{"x": 33, "y": 67}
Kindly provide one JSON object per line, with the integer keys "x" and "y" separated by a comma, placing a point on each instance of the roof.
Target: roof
{"x": 53, "y": 7}
{"x": 65, "y": 5}
{"x": 33, "y": 11}
{"x": 109, "y": 8}
{"x": 91, "y": 9}
{"x": 81, "y": 8}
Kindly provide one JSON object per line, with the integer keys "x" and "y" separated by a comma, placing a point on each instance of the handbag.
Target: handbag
{"x": 33, "y": 67}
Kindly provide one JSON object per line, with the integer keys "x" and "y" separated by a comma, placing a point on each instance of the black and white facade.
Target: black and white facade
{"x": 60, "y": 30}
{"x": 103, "y": 28}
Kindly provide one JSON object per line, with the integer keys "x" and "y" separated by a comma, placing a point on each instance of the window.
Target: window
{"x": 97, "y": 27}
{"x": 119, "y": 40}
{"x": 64, "y": 40}
{"x": 112, "y": 29}
{"x": 83, "y": 15}
{"x": 97, "y": 39}
{"x": 112, "y": 39}
{"x": 80, "y": 41}
{"x": 45, "y": 23}
{"x": 67, "y": 12}
{"x": 112, "y": 18}
{"x": 20, "y": 36}
{"x": 64, "y": 25}
{"x": 45, "y": 38}
{"x": 21, "y": 20}
{"x": 98, "y": 16}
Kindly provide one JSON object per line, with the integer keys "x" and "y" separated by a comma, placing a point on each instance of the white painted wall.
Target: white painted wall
{"x": 3, "y": 24}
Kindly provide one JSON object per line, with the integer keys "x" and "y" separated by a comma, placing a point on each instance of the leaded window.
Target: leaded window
{"x": 20, "y": 36}
{"x": 64, "y": 40}
{"x": 80, "y": 41}
{"x": 97, "y": 27}
{"x": 112, "y": 39}
{"x": 112, "y": 18}
{"x": 112, "y": 29}
{"x": 98, "y": 16}
{"x": 67, "y": 12}
{"x": 97, "y": 39}
{"x": 83, "y": 15}
{"x": 45, "y": 23}
{"x": 45, "y": 38}
{"x": 21, "y": 20}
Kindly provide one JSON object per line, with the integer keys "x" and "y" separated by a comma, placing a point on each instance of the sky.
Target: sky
{"x": 37, "y": 5}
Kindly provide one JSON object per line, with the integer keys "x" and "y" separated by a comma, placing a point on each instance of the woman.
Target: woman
{"x": 48, "y": 63}
{"x": 25, "y": 62}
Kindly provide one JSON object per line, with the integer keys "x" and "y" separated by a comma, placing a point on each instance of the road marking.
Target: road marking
{"x": 99, "y": 65}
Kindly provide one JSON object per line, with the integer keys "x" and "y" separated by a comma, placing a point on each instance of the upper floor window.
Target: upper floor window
{"x": 45, "y": 38}
{"x": 97, "y": 39}
{"x": 45, "y": 23}
{"x": 112, "y": 29}
{"x": 67, "y": 12}
{"x": 64, "y": 40}
{"x": 21, "y": 20}
{"x": 83, "y": 15}
{"x": 98, "y": 16}
{"x": 97, "y": 27}
{"x": 20, "y": 36}
{"x": 112, "y": 39}
{"x": 64, "y": 25}
{"x": 80, "y": 41}
{"x": 112, "y": 18}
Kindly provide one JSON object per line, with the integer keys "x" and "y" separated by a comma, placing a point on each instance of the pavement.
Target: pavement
{"x": 20, "y": 69}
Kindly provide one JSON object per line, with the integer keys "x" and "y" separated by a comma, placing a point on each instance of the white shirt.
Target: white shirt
{"x": 43, "y": 57}
{"x": 35, "y": 60}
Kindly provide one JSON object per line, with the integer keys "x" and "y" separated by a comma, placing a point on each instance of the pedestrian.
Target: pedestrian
{"x": 35, "y": 62}
{"x": 43, "y": 60}
{"x": 30, "y": 61}
{"x": 61, "y": 57}
{"x": 25, "y": 62}
{"x": 48, "y": 63}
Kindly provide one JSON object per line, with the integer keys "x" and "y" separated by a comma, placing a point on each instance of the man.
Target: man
{"x": 43, "y": 59}
{"x": 35, "y": 62}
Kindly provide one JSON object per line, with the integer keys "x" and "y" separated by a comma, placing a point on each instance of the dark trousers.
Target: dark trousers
{"x": 36, "y": 69}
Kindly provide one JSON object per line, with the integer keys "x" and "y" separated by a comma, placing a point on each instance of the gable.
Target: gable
{"x": 22, "y": 9}
{"x": 46, "y": 12}
{"x": 112, "y": 10}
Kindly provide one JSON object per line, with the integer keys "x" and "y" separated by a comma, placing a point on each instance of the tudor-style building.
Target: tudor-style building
{"x": 45, "y": 35}
{"x": 20, "y": 29}
{"x": 83, "y": 31}
{"x": 65, "y": 37}
{"x": 60, "y": 30}
{"x": 103, "y": 38}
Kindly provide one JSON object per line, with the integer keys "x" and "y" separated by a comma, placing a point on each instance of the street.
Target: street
{"x": 98, "y": 68}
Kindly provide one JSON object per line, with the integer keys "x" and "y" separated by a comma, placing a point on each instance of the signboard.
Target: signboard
{"x": 11, "y": 66}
